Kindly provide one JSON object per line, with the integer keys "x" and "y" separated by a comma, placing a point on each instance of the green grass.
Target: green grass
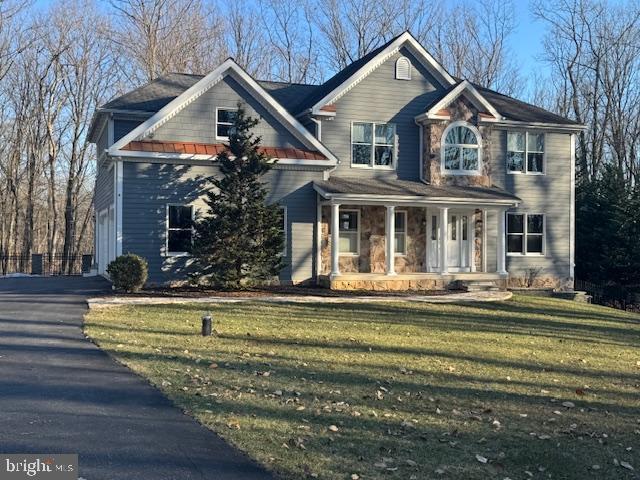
{"x": 416, "y": 391}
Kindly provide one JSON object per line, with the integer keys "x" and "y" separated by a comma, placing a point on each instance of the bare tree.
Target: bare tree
{"x": 12, "y": 34}
{"x": 593, "y": 49}
{"x": 161, "y": 36}
{"x": 473, "y": 43}
{"x": 290, "y": 36}
{"x": 353, "y": 28}
{"x": 245, "y": 40}
{"x": 87, "y": 78}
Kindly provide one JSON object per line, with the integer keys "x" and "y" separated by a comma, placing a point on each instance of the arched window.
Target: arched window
{"x": 403, "y": 69}
{"x": 461, "y": 149}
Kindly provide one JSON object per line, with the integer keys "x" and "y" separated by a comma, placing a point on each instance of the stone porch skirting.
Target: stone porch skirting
{"x": 406, "y": 281}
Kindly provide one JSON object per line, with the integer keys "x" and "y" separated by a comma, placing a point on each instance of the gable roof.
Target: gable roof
{"x": 199, "y": 87}
{"x": 345, "y": 78}
{"x": 435, "y": 110}
{"x": 154, "y": 95}
{"x": 518, "y": 111}
{"x": 296, "y": 98}
{"x": 288, "y": 94}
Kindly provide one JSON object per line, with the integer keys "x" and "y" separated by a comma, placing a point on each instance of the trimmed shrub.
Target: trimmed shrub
{"x": 128, "y": 272}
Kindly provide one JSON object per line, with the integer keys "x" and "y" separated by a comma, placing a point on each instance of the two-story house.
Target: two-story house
{"x": 392, "y": 174}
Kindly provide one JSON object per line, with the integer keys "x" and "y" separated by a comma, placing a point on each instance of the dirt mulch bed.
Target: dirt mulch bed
{"x": 199, "y": 292}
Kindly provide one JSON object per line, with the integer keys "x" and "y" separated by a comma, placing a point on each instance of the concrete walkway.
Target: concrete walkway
{"x": 462, "y": 297}
{"x": 59, "y": 393}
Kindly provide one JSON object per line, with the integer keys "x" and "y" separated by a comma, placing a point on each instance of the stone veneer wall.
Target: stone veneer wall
{"x": 372, "y": 258}
{"x": 461, "y": 109}
{"x": 540, "y": 282}
{"x": 477, "y": 238}
{"x": 414, "y": 260}
{"x": 372, "y": 242}
{"x": 388, "y": 285}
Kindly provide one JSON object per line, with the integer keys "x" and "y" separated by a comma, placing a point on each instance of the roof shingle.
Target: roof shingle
{"x": 297, "y": 97}
{"x": 393, "y": 186}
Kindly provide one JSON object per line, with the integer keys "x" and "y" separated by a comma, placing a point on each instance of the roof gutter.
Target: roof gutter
{"x": 542, "y": 125}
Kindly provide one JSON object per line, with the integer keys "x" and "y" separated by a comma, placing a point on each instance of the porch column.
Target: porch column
{"x": 501, "y": 243}
{"x": 471, "y": 235}
{"x": 335, "y": 239}
{"x": 485, "y": 227}
{"x": 391, "y": 242}
{"x": 444, "y": 236}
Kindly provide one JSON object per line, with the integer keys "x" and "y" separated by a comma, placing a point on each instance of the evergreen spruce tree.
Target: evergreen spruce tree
{"x": 240, "y": 239}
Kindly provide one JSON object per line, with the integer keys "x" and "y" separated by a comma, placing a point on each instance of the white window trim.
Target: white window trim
{"x": 350, "y": 254}
{"x": 405, "y": 233}
{"x": 167, "y": 253}
{"x": 524, "y": 236}
{"x": 285, "y": 228}
{"x": 398, "y": 61}
{"x": 372, "y": 162}
{"x": 474, "y": 173}
{"x": 218, "y": 137}
{"x": 526, "y": 153}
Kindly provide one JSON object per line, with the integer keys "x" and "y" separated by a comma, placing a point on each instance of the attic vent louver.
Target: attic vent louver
{"x": 403, "y": 69}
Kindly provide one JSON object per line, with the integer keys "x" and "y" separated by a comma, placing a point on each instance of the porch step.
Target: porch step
{"x": 474, "y": 285}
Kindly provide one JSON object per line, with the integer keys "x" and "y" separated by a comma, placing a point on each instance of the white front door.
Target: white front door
{"x": 458, "y": 242}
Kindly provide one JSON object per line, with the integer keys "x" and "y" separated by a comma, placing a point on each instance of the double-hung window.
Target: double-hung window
{"x": 225, "y": 119}
{"x": 373, "y": 144}
{"x": 525, "y": 152}
{"x": 400, "y": 233}
{"x": 179, "y": 229}
{"x": 525, "y": 234}
{"x": 349, "y": 232}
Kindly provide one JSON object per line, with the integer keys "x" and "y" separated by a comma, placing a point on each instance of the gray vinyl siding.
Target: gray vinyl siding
{"x": 549, "y": 194}
{"x": 381, "y": 98}
{"x": 104, "y": 187}
{"x": 122, "y": 126}
{"x": 197, "y": 122}
{"x": 102, "y": 143}
{"x": 149, "y": 187}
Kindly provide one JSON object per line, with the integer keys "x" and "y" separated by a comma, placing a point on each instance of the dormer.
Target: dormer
{"x": 455, "y": 130}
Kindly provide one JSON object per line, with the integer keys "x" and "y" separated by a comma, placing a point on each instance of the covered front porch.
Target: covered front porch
{"x": 410, "y": 242}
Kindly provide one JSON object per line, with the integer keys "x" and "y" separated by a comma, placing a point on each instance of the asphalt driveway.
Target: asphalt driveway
{"x": 59, "y": 393}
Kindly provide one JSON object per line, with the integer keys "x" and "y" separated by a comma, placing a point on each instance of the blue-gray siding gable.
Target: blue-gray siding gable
{"x": 379, "y": 97}
{"x": 197, "y": 121}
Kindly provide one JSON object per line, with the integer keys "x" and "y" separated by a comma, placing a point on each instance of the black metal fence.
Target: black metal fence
{"x": 611, "y": 295}
{"x": 45, "y": 264}
{"x": 15, "y": 264}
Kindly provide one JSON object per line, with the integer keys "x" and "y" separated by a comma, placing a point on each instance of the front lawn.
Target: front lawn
{"x": 530, "y": 388}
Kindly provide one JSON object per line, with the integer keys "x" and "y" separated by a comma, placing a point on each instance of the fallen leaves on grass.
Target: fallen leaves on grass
{"x": 626, "y": 465}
